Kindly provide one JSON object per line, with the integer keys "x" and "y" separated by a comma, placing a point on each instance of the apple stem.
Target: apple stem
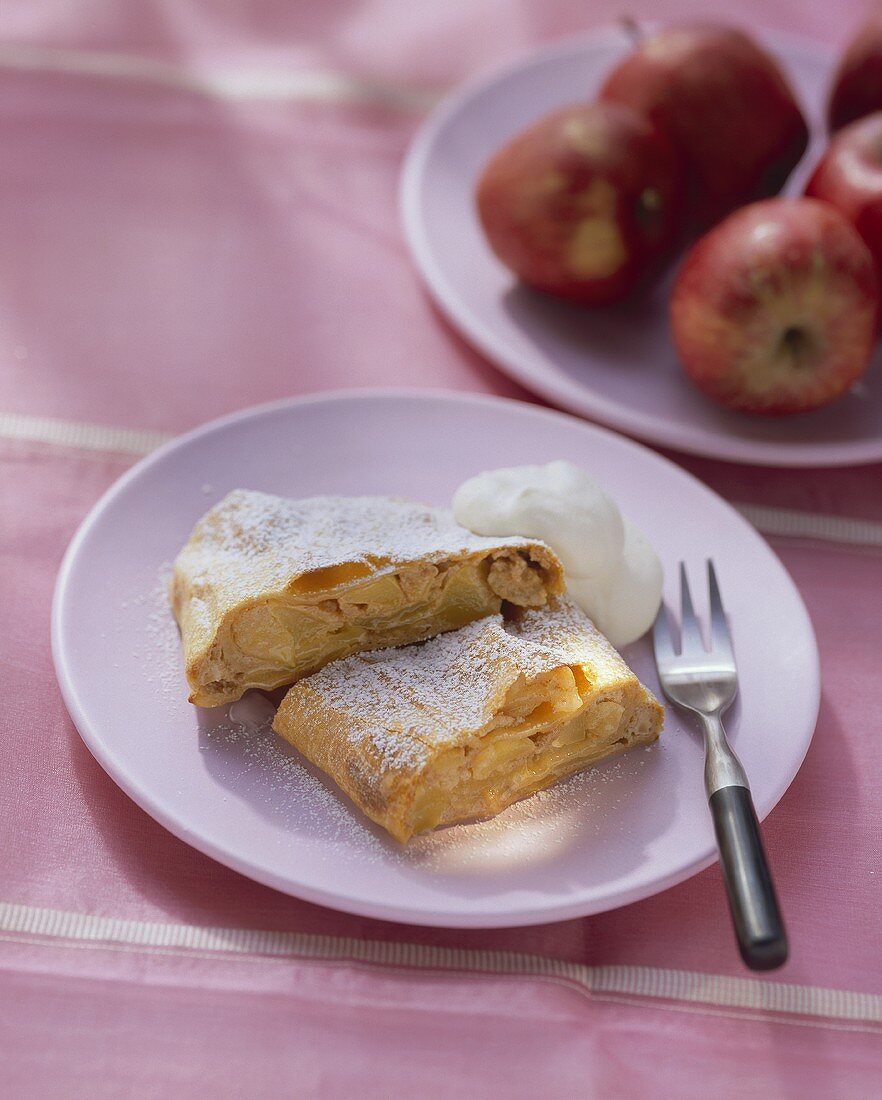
{"x": 631, "y": 28}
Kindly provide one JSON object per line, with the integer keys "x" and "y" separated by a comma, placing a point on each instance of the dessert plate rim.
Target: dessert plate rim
{"x": 102, "y": 723}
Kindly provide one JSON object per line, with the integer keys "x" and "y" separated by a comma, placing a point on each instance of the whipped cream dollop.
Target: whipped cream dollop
{"x": 612, "y": 571}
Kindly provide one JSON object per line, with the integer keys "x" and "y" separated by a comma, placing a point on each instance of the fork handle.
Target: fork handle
{"x": 753, "y": 904}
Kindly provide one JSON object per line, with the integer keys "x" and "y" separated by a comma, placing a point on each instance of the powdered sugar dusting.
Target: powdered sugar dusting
{"x": 282, "y": 786}
{"x": 403, "y": 699}
{"x": 251, "y": 543}
{"x": 248, "y": 761}
{"x": 411, "y": 703}
{"x": 163, "y": 637}
{"x": 565, "y": 636}
{"x": 290, "y": 791}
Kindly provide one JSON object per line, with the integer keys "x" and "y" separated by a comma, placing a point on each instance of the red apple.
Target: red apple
{"x": 857, "y": 83}
{"x": 850, "y": 177}
{"x": 774, "y": 311}
{"x": 583, "y": 203}
{"x": 724, "y": 104}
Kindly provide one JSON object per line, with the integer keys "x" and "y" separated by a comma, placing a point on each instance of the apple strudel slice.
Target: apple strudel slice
{"x": 268, "y": 590}
{"x": 465, "y": 724}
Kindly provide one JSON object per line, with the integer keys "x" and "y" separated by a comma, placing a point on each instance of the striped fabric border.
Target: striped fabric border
{"x": 649, "y": 983}
{"x": 239, "y": 85}
{"x": 72, "y": 433}
{"x": 781, "y": 522}
{"x": 811, "y": 525}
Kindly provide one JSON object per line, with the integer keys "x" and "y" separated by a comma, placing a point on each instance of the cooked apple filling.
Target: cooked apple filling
{"x": 285, "y": 637}
{"x": 466, "y": 724}
{"x": 268, "y": 590}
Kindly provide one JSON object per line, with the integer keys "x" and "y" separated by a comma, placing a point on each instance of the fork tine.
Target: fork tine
{"x": 690, "y": 631}
{"x": 721, "y": 641}
{"x": 662, "y": 639}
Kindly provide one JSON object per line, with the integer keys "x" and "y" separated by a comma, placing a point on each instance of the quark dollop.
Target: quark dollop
{"x": 612, "y": 571}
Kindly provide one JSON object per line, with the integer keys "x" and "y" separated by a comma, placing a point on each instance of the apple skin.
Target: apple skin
{"x": 774, "y": 311}
{"x": 726, "y": 107}
{"x": 857, "y": 83}
{"x": 584, "y": 203}
{"x": 849, "y": 176}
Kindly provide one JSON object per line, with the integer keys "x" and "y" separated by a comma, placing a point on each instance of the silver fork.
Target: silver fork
{"x": 705, "y": 682}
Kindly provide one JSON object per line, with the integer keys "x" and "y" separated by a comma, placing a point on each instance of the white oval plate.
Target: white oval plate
{"x": 616, "y": 366}
{"x": 231, "y": 789}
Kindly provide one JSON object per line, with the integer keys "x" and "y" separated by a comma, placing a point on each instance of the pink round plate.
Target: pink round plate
{"x": 616, "y": 366}
{"x": 221, "y": 781}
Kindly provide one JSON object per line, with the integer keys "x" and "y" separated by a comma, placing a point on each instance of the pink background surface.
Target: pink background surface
{"x": 167, "y": 258}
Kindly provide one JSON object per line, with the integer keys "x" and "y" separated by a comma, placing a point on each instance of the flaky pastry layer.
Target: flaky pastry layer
{"x": 462, "y": 726}
{"x": 268, "y": 590}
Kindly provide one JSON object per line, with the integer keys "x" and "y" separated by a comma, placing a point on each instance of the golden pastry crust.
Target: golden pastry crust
{"x": 462, "y": 726}
{"x": 268, "y": 590}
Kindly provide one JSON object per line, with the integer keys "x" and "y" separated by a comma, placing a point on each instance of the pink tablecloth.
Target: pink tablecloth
{"x": 168, "y": 255}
